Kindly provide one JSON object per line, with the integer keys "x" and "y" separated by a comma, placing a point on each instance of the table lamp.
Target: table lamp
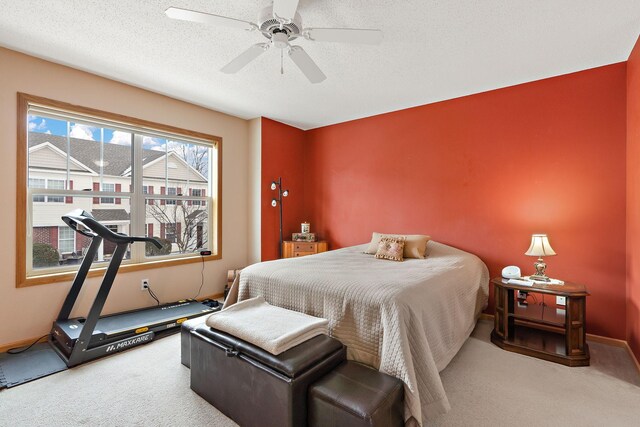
{"x": 540, "y": 247}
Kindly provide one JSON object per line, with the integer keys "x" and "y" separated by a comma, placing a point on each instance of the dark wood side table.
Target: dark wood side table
{"x": 549, "y": 332}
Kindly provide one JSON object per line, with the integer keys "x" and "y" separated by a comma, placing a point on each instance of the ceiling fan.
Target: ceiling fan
{"x": 280, "y": 23}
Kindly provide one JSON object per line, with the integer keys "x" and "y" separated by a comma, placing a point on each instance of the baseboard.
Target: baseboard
{"x": 214, "y": 296}
{"x": 633, "y": 356}
{"x": 21, "y": 343}
{"x": 606, "y": 340}
{"x": 595, "y": 338}
{"x": 25, "y": 342}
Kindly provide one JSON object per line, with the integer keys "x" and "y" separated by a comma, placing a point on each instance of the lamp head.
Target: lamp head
{"x": 274, "y": 203}
{"x": 273, "y": 185}
{"x": 285, "y": 193}
{"x": 540, "y": 246}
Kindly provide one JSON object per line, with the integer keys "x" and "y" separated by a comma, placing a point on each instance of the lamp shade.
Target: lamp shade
{"x": 540, "y": 246}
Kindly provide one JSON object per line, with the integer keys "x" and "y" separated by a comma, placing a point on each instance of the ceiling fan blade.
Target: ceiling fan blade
{"x": 344, "y": 35}
{"x": 207, "y": 18}
{"x": 309, "y": 68}
{"x": 244, "y": 58}
{"x": 285, "y": 9}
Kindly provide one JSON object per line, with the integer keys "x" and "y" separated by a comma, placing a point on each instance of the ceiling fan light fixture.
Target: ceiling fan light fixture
{"x": 280, "y": 40}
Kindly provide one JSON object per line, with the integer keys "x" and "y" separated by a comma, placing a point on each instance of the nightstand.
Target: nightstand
{"x": 298, "y": 249}
{"x": 549, "y": 332}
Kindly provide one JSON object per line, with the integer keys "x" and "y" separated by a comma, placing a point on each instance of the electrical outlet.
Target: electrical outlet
{"x": 144, "y": 284}
{"x": 522, "y": 294}
{"x": 561, "y": 300}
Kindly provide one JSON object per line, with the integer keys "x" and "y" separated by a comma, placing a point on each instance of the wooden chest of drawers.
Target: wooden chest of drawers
{"x": 297, "y": 249}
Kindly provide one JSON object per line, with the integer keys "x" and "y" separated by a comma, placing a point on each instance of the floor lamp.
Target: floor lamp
{"x": 277, "y": 185}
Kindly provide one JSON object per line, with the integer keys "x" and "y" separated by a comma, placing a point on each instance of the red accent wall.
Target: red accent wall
{"x": 481, "y": 173}
{"x": 283, "y": 156}
{"x": 633, "y": 200}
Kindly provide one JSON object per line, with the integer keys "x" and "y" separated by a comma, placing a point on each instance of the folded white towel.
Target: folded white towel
{"x": 271, "y": 328}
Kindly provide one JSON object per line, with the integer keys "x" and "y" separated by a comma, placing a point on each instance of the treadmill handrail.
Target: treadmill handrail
{"x": 93, "y": 228}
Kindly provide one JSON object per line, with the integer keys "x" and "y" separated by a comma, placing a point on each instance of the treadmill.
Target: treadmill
{"x": 81, "y": 339}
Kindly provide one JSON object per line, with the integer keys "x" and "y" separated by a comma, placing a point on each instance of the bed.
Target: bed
{"x": 407, "y": 319}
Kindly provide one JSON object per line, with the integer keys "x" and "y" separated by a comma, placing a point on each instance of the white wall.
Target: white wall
{"x": 254, "y": 177}
{"x": 28, "y": 312}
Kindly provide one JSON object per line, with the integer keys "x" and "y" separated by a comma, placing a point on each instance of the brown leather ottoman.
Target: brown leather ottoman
{"x": 355, "y": 395}
{"x": 256, "y": 388}
{"x": 185, "y": 337}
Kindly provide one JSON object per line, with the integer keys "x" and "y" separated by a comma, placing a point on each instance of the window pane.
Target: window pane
{"x": 84, "y": 156}
{"x": 116, "y": 159}
{"x": 181, "y": 228}
{"x": 37, "y": 183}
{"x": 111, "y": 188}
{"x": 172, "y": 191}
{"x": 198, "y": 192}
{"x": 55, "y": 184}
{"x": 66, "y": 240}
{"x": 196, "y": 156}
{"x": 84, "y": 131}
{"x": 48, "y": 150}
{"x": 57, "y": 245}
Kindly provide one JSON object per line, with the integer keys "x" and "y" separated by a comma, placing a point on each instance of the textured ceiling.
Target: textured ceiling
{"x": 432, "y": 50}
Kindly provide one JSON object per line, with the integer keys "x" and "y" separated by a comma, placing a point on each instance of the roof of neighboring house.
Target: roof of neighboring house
{"x": 106, "y": 215}
{"x": 117, "y": 158}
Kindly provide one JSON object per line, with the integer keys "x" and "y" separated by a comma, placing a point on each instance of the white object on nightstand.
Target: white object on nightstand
{"x": 520, "y": 282}
{"x": 511, "y": 272}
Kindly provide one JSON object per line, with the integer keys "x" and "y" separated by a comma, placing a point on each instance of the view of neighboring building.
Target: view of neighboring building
{"x": 107, "y": 167}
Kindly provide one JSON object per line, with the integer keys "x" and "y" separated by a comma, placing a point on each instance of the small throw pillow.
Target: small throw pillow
{"x": 391, "y": 248}
{"x": 415, "y": 245}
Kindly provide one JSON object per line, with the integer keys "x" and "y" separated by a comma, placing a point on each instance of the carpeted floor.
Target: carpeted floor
{"x": 486, "y": 386}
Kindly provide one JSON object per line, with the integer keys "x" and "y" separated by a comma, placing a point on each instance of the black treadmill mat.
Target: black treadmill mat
{"x": 37, "y": 362}
{"x": 151, "y": 316}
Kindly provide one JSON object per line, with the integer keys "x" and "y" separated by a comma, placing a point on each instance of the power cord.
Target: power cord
{"x": 18, "y": 350}
{"x": 201, "y": 278}
{"x": 152, "y": 294}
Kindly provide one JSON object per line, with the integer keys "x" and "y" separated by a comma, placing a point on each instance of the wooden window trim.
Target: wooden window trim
{"x": 24, "y": 100}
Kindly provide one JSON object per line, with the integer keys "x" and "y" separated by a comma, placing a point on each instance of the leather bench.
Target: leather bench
{"x": 254, "y": 387}
{"x": 185, "y": 337}
{"x": 355, "y": 395}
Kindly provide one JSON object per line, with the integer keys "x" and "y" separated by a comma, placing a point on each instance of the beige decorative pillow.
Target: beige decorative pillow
{"x": 415, "y": 245}
{"x": 391, "y": 248}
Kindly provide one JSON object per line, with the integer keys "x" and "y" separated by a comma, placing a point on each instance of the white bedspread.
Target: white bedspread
{"x": 407, "y": 319}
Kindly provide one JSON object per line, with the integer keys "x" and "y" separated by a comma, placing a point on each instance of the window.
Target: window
{"x": 66, "y": 240}
{"x": 199, "y": 192}
{"x": 54, "y": 184}
{"x": 111, "y": 188}
{"x": 170, "y": 232}
{"x": 38, "y": 183}
{"x": 172, "y": 191}
{"x": 117, "y": 168}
